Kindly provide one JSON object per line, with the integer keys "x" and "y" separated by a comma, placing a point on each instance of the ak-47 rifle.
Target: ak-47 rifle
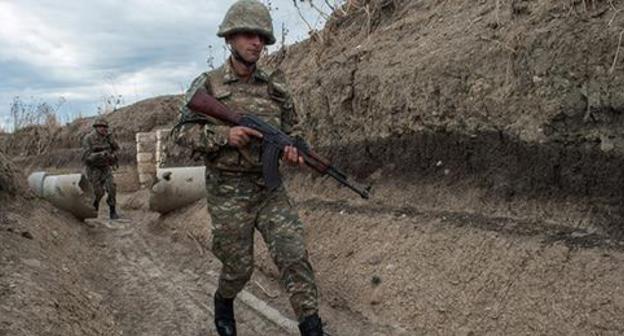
{"x": 273, "y": 142}
{"x": 104, "y": 156}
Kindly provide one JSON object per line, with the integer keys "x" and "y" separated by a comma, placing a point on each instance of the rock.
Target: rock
{"x": 145, "y": 157}
{"x": 606, "y": 144}
{"x": 375, "y": 260}
{"x": 32, "y": 262}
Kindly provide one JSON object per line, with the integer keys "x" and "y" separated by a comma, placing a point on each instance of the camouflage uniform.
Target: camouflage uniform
{"x": 238, "y": 200}
{"x": 98, "y": 154}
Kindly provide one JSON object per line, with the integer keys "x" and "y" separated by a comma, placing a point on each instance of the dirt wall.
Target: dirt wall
{"x": 523, "y": 96}
{"x": 44, "y": 257}
{"x": 9, "y": 178}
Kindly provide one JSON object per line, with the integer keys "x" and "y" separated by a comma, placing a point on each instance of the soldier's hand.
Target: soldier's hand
{"x": 240, "y": 136}
{"x": 292, "y": 157}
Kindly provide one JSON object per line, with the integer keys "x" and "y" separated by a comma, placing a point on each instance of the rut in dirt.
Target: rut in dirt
{"x": 549, "y": 233}
{"x": 137, "y": 274}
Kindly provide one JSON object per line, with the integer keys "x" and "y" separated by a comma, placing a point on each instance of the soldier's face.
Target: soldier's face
{"x": 248, "y": 45}
{"x": 102, "y": 130}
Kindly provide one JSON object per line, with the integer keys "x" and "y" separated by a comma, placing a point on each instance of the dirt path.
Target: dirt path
{"x": 394, "y": 266}
{"x": 386, "y": 268}
{"x": 159, "y": 281}
{"x": 440, "y": 264}
{"x": 152, "y": 295}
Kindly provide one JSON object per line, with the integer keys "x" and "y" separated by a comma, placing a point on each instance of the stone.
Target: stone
{"x": 145, "y": 157}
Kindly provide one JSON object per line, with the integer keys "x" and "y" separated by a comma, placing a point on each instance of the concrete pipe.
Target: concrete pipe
{"x": 177, "y": 187}
{"x": 71, "y": 192}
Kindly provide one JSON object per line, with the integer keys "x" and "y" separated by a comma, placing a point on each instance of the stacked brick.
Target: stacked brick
{"x": 161, "y": 146}
{"x": 146, "y": 158}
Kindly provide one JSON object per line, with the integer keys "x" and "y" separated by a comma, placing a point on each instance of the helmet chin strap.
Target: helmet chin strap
{"x": 237, "y": 56}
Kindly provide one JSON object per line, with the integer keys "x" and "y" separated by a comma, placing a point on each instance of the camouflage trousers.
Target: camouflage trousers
{"x": 101, "y": 180}
{"x": 238, "y": 205}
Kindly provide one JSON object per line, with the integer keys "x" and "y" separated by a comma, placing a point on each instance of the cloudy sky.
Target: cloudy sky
{"x": 85, "y": 51}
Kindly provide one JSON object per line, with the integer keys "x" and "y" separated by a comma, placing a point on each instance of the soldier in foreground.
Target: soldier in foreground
{"x": 238, "y": 200}
{"x": 99, "y": 157}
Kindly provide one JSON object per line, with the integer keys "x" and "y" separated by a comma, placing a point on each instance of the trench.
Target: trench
{"x": 507, "y": 167}
{"x": 548, "y": 233}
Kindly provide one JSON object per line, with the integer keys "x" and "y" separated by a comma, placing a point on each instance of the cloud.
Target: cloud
{"x": 27, "y": 37}
{"x": 84, "y": 50}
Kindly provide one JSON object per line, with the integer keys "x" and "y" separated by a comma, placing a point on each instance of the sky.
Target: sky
{"x": 82, "y": 52}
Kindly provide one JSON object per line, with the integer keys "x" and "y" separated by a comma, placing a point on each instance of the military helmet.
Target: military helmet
{"x": 100, "y": 122}
{"x": 248, "y": 16}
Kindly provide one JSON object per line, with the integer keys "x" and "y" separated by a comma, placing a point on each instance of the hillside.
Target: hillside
{"x": 40, "y": 146}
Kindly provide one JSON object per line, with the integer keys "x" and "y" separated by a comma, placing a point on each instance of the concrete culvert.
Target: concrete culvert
{"x": 69, "y": 192}
{"x": 177, "y": 187}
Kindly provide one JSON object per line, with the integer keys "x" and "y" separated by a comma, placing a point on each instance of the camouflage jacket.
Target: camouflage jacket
{"x": 265, "y": 95}
{"x": 98, "y": 150}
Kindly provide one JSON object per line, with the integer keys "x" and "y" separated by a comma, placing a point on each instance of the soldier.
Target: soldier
{"x": 99, "y": 157}
{"x": 238, "y": 201}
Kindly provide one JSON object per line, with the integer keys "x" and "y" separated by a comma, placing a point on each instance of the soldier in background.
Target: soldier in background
{"x": 238, "y": 201}
{"x": 98, "y": 155}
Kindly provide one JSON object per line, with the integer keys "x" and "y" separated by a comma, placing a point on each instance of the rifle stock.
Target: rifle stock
{"x": 205, "y": 104}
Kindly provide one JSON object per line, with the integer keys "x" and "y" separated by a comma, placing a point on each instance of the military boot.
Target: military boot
{"x": 311, "y": 326}
{"x": 113, "y": 213}
{"x": 224, "y": 315}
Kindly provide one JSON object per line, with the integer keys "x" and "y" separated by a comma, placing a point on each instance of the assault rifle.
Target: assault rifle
{"x": 104, "y": 156}
{"x": 273, "y": 143}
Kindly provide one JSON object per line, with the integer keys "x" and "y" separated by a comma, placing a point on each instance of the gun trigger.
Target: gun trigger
{"x": 299, "y": 142}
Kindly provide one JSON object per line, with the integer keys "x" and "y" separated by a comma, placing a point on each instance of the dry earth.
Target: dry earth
{"x": 492, "y": 133}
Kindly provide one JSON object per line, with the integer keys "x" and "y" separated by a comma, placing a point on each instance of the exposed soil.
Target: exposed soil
{"x": 445, "y": 261}
{"x": 521, "y": 97}
{"x": 157, "y": 283}
{"x": 43, "y": 291}
{"x": 9, "y": 185}
{"x": 492, "y": 135}
{"x": 143, "y": 275}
